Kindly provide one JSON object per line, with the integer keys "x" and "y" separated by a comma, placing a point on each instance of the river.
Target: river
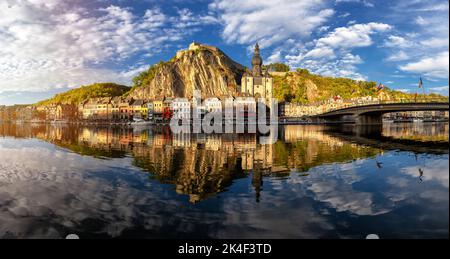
{"x": 313, "y": 182}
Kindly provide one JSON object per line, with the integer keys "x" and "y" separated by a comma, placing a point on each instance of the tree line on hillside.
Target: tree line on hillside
{"x": 145, "y": 77}
{"x": 293, "y": 87}
{"x": 78, "y": 95}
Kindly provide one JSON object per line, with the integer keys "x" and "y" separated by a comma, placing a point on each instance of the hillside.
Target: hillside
{"x": 303, "y": 87}
{"x": 208, "y": 69}
{"x": 78, "y": 95}
{"x": 201, "y": 67}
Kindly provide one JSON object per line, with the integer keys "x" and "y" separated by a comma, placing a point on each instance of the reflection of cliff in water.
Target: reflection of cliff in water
{"x": 201, "y": 165}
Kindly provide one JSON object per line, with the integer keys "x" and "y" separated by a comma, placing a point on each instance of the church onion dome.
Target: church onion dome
{"x": 256, "y": 61}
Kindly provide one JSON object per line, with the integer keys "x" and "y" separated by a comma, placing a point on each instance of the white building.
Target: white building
{"x": 213, "y": 105}
{"x": 181, "y": 108}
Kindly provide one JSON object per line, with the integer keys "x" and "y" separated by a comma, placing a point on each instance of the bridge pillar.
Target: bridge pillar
{"x": 369, "y": 119}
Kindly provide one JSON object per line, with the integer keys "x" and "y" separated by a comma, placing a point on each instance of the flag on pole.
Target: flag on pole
{"x": 420, "y": 82}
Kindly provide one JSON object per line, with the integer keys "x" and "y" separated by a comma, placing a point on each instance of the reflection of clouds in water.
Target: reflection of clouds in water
{"x": 276, "y": 216}
{"x": 436, "y": 171}
{"x": 333, "y": 185}
{"x": 42, "y": 163}
{"x": 436, "y": 196}
{"x": 293, "y": 214}
{"x": 62, "y": 192}
{"x": 336, "y": 184}
{"x": 407, "y": 182}
{"x": 45, "y": 191}
{"x": 74, "y": 190}
{"x": 72, "y": 193}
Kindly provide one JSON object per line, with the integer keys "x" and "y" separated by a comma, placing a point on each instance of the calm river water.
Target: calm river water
{"x": 314, "y": 182}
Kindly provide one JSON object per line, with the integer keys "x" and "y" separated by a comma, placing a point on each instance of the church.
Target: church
{"x": 257, "y": 83}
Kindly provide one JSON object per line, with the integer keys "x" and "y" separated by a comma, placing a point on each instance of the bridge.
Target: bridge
{"x": 371, "y": 113}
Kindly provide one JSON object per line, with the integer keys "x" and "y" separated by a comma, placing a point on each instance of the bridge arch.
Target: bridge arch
{"x": 372, "y": 113}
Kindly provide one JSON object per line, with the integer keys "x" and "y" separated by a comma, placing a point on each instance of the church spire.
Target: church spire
{"x": 257, "y": 62}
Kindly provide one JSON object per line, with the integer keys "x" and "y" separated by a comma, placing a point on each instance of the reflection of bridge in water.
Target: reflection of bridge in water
{"x": 371, "y": 113}
{"x": 386, "y": 137}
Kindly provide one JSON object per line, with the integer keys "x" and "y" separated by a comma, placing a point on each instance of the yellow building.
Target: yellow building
{"x": 158, "y": 106}
{"x": 140, "y": 109}
{"x": 97, "y": 109}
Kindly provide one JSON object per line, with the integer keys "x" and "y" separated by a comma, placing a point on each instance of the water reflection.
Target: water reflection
{"x": 121, "y": 182}
{"x": 201, "y": 165}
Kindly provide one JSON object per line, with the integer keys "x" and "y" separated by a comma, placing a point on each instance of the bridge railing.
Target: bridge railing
{"x": 342, "y": 104}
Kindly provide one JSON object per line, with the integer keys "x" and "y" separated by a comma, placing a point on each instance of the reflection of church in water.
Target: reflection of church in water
{"x": 229, "y": 157}
{"x": 198, "y": 165}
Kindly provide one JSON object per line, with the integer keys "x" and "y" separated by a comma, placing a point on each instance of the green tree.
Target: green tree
{"x": 145, "y": 77}
{"x": 279, "y": 67}
{"x": 292, "y": 87}
{"x": 77, "y": 95}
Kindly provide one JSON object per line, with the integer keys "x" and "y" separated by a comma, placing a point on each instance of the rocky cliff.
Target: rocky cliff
{"x": 201, "y": 67}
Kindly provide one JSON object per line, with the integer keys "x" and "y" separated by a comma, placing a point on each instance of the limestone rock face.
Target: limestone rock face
{"x": 311, "y": 90}
{"x": 206, "y": 69}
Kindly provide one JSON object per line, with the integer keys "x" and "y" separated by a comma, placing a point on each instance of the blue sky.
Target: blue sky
{"x": 50, "y": 46}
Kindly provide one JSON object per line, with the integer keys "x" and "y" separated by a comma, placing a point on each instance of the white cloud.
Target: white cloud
{"x": 323, "y": 29}
{"x": 397, "y": 41}
{"x": 364, "y": 2}
{"x": 50, "y": 44}
{"x": 440, "y": 89}
{"x": 344, "y": 15}
{"x": 436, "y": 42}
{"x": 269, "y": 21}
{"x": 434, "y": 67}
{"x": 186, "y": 18}
{"x": 422, "y": 52}
{"x": 421, "y": 21}
{"x": 421, "y": 6}
{"x": 431, "y": 7}
{"x": 357, "y": 35}
{"x": 331, "y": 55}
{"x": 398, "y": 56}
{"x": 343, "y": 66}
{"x": 320, "y": 52}
{"x": 275, "y": 57}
